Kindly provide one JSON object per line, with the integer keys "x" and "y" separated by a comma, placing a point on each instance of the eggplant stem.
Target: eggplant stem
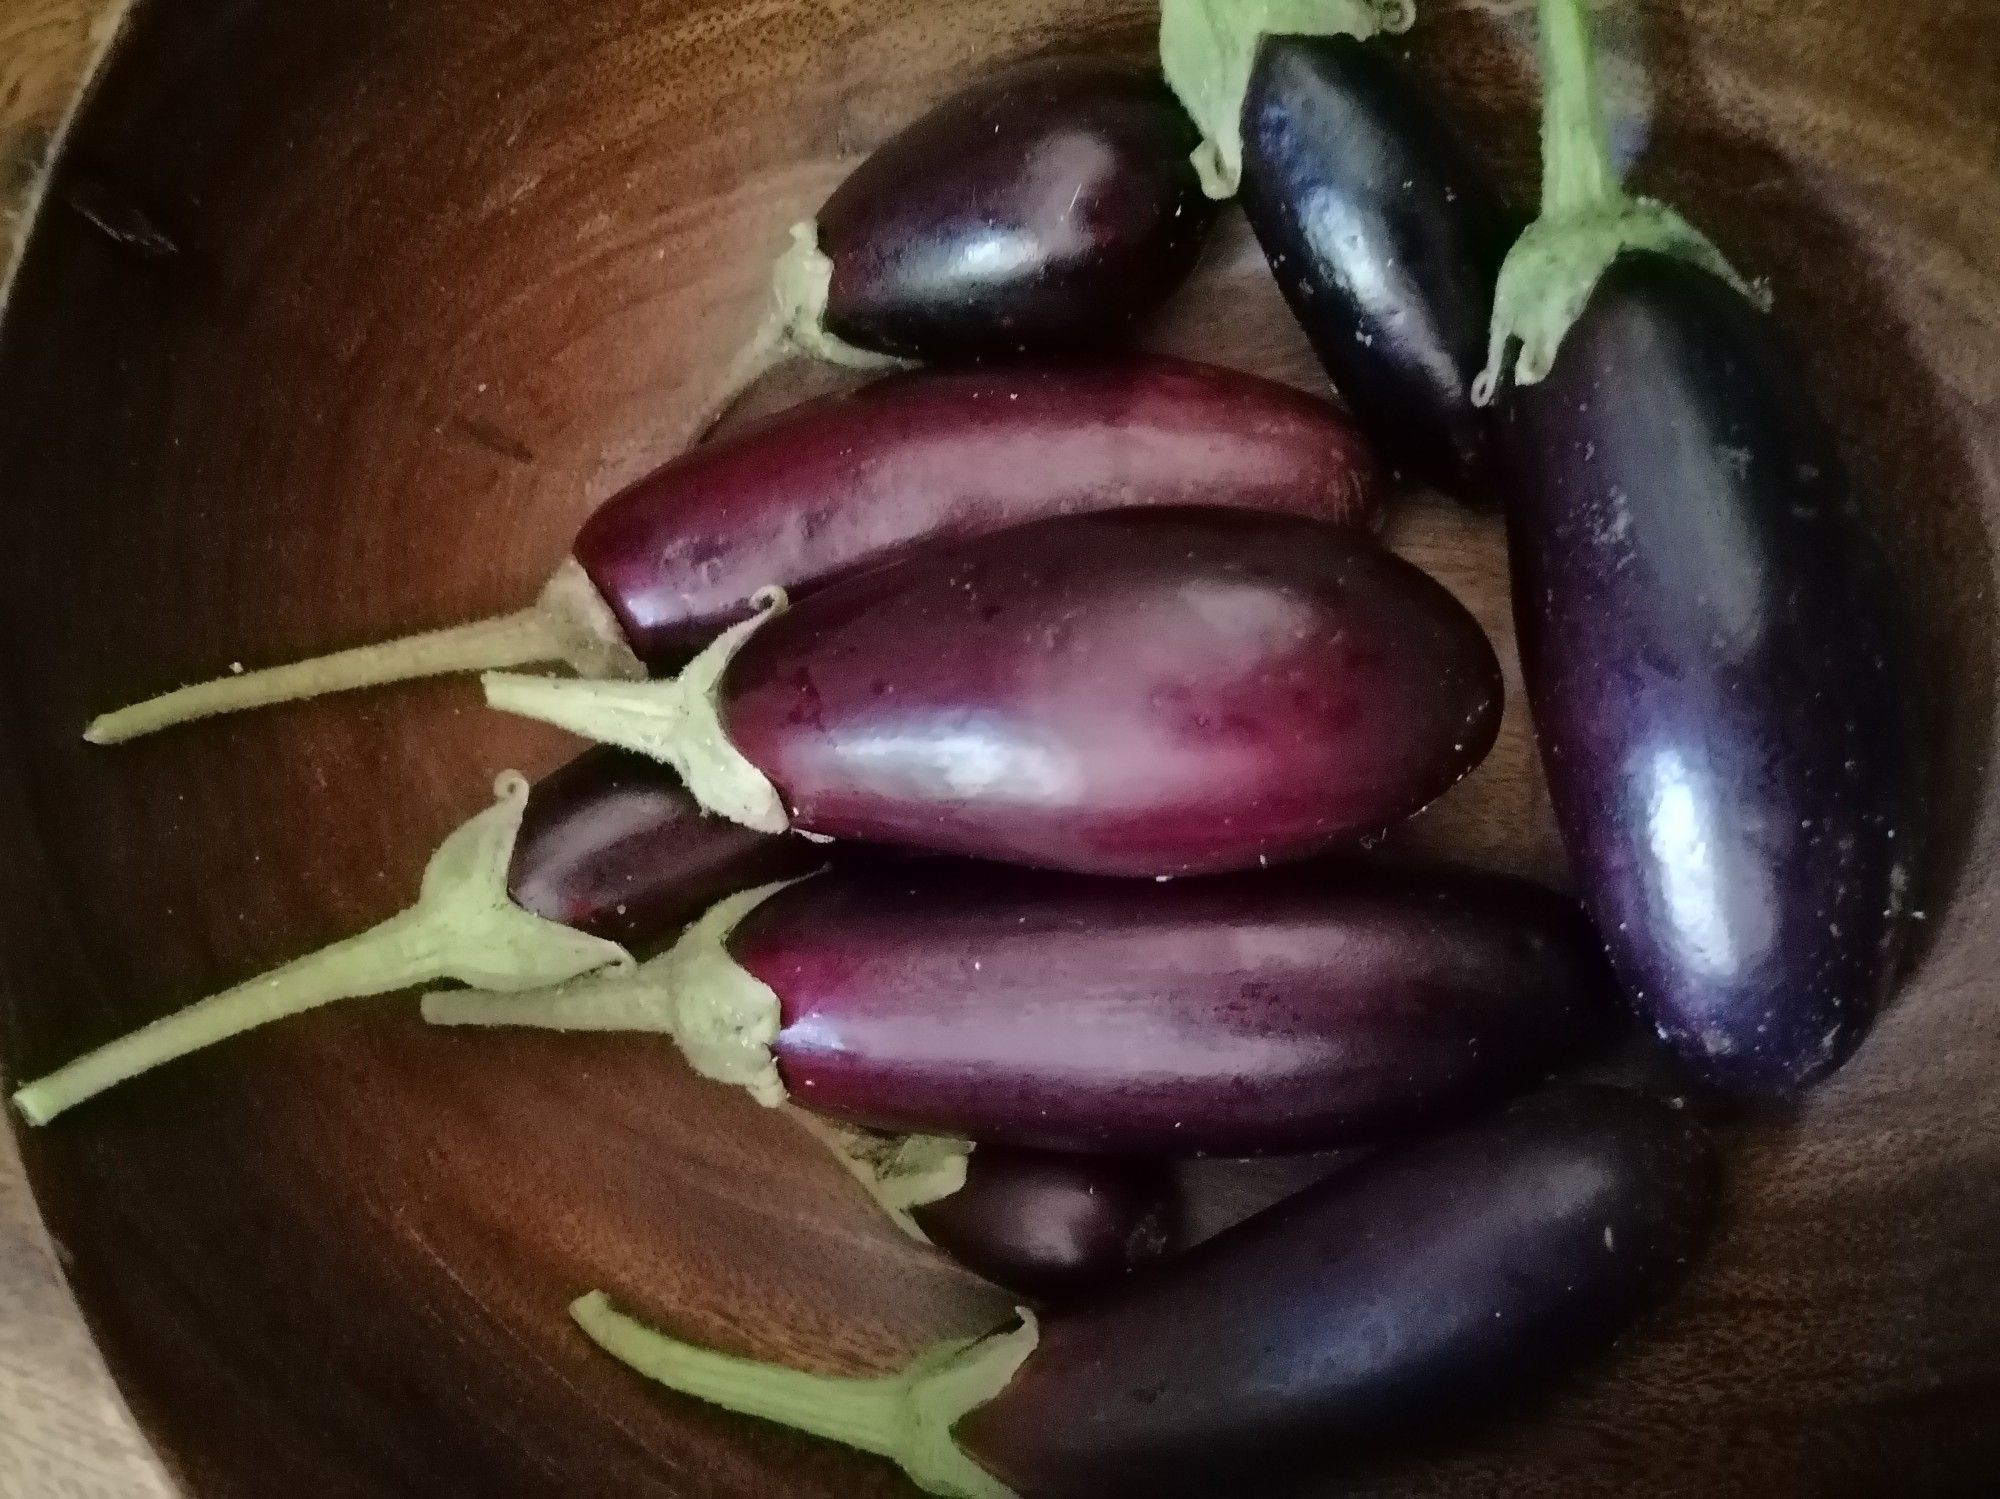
{"x": 676, "y": 721}
{"x": 722, "y": 1017}
{"x": 1588, "y": 219}
{"x": 906, "y": 1417}
{"x": 462, "y": 926}
{"x": 569, "y": 623}
{"x": 1208, "y": 50}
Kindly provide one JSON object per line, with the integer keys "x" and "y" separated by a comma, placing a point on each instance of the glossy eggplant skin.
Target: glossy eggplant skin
{"x": 1709, "y": 642}
{"x": 612, "y": 844}
{"x": 1424, "y": 1286}
{"x": 842, "y": 483}
{"x": 1145, "y": 693}
{"x": 1386, "y": 236}
{"x": 1050, "y": 1226}
{"x": 1050, "y": 207}
{"x": 1328, "y": 1004}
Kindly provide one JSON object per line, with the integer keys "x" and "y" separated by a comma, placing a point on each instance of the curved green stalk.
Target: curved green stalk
{"x": 676, "y": 721}
{"x": 907, "y": 1417}
{"x": 1208, "y": 49}
{"x": 463, "y": 926}
{"x": 1587, "y": 221}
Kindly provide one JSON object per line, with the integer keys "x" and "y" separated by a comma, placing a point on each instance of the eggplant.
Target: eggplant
{"x": 1291, "y": 1010}
{"x": 1047, "y": 208}
{"x": 541, "y": 887}
{"x": 1707, "y": 628}
{"x": 836, "y": 485}
{"x": 1050, "y": 1224}
{"x": 1425, "y": 1286}
{"x": 1145, "y": 692}
{"x": 1382, "y": 228}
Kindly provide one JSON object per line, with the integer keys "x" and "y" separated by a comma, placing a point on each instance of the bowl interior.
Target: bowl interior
{"x": 342, "y": 317}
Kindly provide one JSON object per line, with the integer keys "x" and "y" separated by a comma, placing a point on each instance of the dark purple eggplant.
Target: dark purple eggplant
{"x": 1387, "y": 1303}
{"x": 1051, "y": 207}
{"x": 1142, "y": 692}
{"x": 1321, "y": 1005}
{"x": 1385, "y": 234}
{"x": 1049, "y": 1224}
{"x": 840, "y": 484}
{"x": 1706, "y": 625}
{"x": 541, "y": 887}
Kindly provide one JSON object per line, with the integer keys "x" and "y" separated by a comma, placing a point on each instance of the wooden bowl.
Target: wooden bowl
{"x": 342, "y": 316}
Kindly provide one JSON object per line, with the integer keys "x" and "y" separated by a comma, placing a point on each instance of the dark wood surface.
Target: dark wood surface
{"x": 341, "y": 317}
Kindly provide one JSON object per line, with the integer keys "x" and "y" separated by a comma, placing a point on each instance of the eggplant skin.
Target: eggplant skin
{"x": 612, "y": 844}
{"x": 1385, "y": 1304}
{"x": 1708, "y": 635}
{"x": 1048, "y": 1225}
{"x": 1050, "y": 207}
{"x": 1386, "y": 236}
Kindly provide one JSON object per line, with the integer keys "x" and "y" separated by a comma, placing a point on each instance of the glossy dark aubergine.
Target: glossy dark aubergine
{"x": 1385, "y": 234}
{"x": 1709, "y": 642}
{"x": 1050, "y": 207}
{"x": 1157, "y": 692}
{"x": 844, "y": 483}
{"x": 1322, "y": 1005}
{"x": 612, "y": 844}
{"x": 1392, "y": 1302}
{"x": 1049, "y": 1225}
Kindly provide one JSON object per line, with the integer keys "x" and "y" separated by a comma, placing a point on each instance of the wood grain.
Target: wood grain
{"x": 64, "y": 1433}
{"x": 350, "y": 312}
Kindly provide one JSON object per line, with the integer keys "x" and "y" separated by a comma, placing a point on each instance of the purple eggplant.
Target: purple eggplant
{"x": 1050, "y": 1225}
{"x": 541, "y": 887}
{"x": 840, "y": 484}
{"x": 1145, "y": 692}
{"x": 1321, "y": 1005}
{"x": 1380, "y": 1307}
{"x": 1051, "y": 208}
{"x": 1383, "y": 230}
{"x": 1706, "y": 625}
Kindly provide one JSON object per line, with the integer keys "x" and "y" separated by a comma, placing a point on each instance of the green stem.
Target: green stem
{"x": 569, "y": 623}
{"x": 1577, "y": 171}
{"x": 463, "y": 926}
{"x": 1588, "y": 219}
{"x": 907, "y": 1417}
{"x": 677, "y": 722}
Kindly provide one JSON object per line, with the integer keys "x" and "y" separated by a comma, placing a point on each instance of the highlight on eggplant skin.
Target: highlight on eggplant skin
{"x": 1388, "y": 1304}
{"x": 1707, "y": 627}
{"x": 1050, "y": 208}
{"x": 1050, "y": 1225}
{"x": 1385, "y": 234}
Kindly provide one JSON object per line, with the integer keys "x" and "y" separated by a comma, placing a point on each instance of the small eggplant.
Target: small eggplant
{"x": 1383, "y": 230}
{"x": 1316, "y": 1006}
{"x": 1706, "y": 625}
{"x": 541, "y": 887}
{"x": 1143, "y": 692}
{"x": 1425, "y": 1286}
{"x": 842, "y": 483}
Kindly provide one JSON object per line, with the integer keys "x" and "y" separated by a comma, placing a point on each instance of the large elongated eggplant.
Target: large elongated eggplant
{"x": 1421, "y": 1287}
{"x": 1322, "y": 1005}
{"x": 1144, "y": 692}
{"x": 1705, "y": 623}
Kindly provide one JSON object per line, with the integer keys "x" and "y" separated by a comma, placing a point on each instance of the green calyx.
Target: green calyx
{"x": 907, "y": 1417}
{"x": 1587, "y": 221}
{"x": 901, "y": 1172}
{"x": 1209, "y": 47}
